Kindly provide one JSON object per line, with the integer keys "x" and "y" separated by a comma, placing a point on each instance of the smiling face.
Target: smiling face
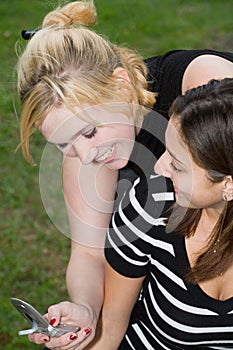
{"x": 192, "y": 186}
{"x": 110, "y": 142}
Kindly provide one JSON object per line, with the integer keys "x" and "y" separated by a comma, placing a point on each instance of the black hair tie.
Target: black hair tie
{"x": 28, "y": 34}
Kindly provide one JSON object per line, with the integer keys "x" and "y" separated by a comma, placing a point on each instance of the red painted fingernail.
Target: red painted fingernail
{"x": 73, "y": 337}
{"x": 52, "y": 321}
{"x": 86, "y": 331}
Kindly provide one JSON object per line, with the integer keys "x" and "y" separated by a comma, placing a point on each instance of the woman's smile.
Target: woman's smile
{"x": 108, "y": 156}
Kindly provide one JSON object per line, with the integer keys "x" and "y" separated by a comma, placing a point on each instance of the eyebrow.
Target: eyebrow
{"x": 173, "y": 156}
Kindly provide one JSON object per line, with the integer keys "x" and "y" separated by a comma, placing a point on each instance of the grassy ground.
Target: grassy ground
{"x": 33, "y": 254}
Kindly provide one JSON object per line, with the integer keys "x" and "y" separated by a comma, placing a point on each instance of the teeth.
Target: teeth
{"x": 106, "y": 154}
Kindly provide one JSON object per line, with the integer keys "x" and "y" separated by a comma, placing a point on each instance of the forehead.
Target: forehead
{"x": 173, "y": 134}
{"x": 61, "y": 122}
{"x": 175, "y": 144}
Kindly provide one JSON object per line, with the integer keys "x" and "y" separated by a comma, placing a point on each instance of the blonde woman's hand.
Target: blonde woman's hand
{"x": 71, "y": 314}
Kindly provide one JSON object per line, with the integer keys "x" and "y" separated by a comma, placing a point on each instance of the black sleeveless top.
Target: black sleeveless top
{"x": 165, "y": 77}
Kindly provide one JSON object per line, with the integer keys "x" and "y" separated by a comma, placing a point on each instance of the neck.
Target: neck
{"x": 208, "y": 220}
{"x": 211, "y": 214}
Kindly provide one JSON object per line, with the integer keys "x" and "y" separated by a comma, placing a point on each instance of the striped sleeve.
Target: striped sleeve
{"x": 132, "y": 231}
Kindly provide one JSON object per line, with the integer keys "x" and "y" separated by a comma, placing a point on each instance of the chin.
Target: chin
{"x": 182, "y": 201}
{"x": 117, "y": 164}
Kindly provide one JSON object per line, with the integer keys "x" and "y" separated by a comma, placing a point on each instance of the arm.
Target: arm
{"x": 89, "y": 211}
{"x": 121, "y": 293}
{"x": 204, "y": 68}
{"x": 89, "y": 193}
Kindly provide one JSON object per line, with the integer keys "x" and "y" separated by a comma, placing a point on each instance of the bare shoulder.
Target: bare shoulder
{"x": 204, "y": 68}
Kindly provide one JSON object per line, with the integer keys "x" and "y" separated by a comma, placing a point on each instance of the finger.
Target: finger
{"x": 64, "y": 342}
{"x": 38, "y": 338}
{"x": 59, "y": 311}
{"x": 54, "y": 316}
{"x": 73, "y": 341}
{"x": 84, "y": 337}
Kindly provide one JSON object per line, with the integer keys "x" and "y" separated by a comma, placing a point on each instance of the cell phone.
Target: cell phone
{"x": 38, "y": 322}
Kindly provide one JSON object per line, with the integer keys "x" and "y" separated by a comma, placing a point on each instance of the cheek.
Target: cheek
{"x": 183, "y": 183}
{"x": 117, "y": 133}
{"x": 128, "y": 133}
{"x": 184, "y": 190}
{"x": 125, "y": 131}
{"x": 192, "y": 194}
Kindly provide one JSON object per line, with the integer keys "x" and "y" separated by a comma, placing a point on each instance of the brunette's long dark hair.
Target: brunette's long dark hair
{"x": 205, "y": 116}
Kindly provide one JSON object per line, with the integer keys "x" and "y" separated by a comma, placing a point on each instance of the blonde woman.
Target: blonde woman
{"x": 90, "y": 98}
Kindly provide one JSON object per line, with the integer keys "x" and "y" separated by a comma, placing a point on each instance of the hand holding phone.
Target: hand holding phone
{"x": 38, "y": 322}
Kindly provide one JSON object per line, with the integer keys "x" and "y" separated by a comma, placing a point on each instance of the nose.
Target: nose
{"x": 162, "y": 166}
{"x": 85, "y": 151}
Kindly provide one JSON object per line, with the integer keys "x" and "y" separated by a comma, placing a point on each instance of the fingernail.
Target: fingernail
{"x": 45, "y": 340}
{"x": 73, "y": 337}
{"x": 52, "y": 321}
{"x": 86, "y": 331}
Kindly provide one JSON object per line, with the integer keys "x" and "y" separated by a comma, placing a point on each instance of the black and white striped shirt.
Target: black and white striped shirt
{"x": 170, "y": 313}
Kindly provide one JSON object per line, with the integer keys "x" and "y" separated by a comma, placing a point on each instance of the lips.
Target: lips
{"x": 106, "y": 155}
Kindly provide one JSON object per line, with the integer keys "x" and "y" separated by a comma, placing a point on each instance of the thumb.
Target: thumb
{"x": 59, "y": 313}
{"x": 54, "y": 315}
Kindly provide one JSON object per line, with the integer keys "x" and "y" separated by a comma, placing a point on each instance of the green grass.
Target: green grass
{"x": 33, "y": 254}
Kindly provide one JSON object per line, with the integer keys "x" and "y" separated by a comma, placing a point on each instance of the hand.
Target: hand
{"x": 75, "y": 315}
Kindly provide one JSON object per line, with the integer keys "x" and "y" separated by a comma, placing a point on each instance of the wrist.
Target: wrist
{"x": 91, "y": 312}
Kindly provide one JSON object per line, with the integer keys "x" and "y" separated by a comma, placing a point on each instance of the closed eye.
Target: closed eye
{"x": 91, "y": 133}
{"x": 175, "y": 168}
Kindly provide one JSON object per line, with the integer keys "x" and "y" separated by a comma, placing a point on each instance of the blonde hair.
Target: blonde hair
{"x": 67, "y": 64}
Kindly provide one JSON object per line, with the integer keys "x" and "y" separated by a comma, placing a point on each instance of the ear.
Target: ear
{"x": 228, "y": 188}
{"x": 121, "y": 74}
